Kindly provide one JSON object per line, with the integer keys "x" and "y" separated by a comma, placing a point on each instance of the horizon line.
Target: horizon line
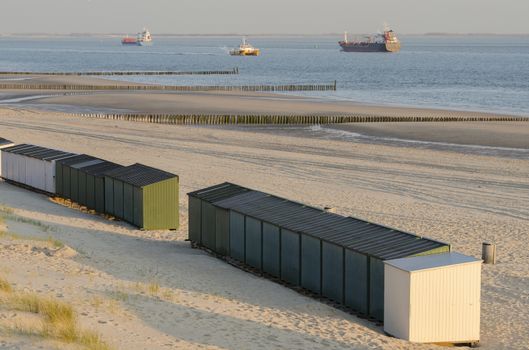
{"x": 34, "y": 34}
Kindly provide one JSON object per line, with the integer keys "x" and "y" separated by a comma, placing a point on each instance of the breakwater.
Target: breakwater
{"x": 111, "y": 73}
{"x": 221, "y": 119}
{"x": 192, "y": 88}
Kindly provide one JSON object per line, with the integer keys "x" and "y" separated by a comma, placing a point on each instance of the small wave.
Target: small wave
{"x": 196, "y": 54}
{"x": 342, "y": 134}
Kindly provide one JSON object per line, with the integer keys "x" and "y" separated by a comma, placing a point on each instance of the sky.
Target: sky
{"x": 263, "y": 16}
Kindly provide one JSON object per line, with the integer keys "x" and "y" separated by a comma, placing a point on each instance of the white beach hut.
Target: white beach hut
{"x": 433, "y": 299}
{"x": 32, "y": 166}
{"x": 4, "y": 144}
{"x": 11, "y": 167}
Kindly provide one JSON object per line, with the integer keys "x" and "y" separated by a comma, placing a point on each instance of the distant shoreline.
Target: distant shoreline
{"x": 268, "y": 35}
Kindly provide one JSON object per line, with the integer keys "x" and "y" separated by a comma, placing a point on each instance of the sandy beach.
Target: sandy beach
{"x": 151, "y": 290}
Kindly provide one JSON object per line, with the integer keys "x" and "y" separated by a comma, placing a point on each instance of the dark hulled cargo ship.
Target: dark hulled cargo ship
{"x": 387, "y": 42}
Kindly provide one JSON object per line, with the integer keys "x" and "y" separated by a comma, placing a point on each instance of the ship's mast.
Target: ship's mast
{"x": 345, "y": 37}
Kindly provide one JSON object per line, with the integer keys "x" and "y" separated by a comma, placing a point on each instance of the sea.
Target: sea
{"x": 474, "y": 73}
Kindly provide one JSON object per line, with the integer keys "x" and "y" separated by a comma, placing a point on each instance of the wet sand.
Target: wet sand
{"x": 60, "y": 80}
{"x": 238, "y": 103}
{"x": 209, "y": 102}
{"x": 494, "y": 134}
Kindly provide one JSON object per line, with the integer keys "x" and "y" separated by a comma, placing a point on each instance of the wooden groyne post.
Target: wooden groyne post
{"x": 111, "y": 73}
{"x": 188, "y": 88}
{"x": 222, "y": 119}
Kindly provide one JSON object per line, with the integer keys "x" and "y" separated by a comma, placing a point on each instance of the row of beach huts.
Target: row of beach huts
{"x": 418, "y": 287}
{"x": 143, "y": 196}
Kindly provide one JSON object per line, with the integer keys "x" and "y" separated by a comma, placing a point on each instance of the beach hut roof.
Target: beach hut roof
{"x": 4, "y": 142}
{"x": 14, "y": 148}
{"x": 101, "y": 168}
{"x": 80, "y": 158}
{"x": 139, "y": 175}
{"x": 418, "y": 263}
{"x": 38, "y": 152}
{"x": 218, "y": 192}
{"x": 86, "y": 163}
{"x": 359, "y": 235}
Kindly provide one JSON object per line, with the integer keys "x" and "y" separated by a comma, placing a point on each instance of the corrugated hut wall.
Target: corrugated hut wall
{"x": 143, "y": 196}
{"x": 340, "y": 258}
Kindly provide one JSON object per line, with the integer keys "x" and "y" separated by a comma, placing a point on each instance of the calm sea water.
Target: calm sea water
{"x": 467, "y": 73}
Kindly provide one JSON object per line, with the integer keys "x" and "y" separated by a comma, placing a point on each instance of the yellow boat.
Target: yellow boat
{"x": 245, "y": 49}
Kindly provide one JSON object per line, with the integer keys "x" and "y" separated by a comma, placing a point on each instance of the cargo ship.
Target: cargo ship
{"x": 142, "y": 39}
{"x": 129, "y": 41}
{"x": 245, "y": 49}
{"x": 386, "y": 42}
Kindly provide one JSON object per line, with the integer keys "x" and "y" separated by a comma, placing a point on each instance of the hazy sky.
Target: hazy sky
{"x": 263, "y": 16}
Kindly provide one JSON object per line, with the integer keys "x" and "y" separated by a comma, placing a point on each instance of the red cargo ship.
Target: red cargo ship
{"x": 129, "y": 41}
{"x": 142, "y": 39}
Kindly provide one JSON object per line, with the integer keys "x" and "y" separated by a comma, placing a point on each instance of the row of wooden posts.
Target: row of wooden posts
{"x": 109, "y": 73}
{"x": 267, "y": 88}
{"x": 204, "y": 119}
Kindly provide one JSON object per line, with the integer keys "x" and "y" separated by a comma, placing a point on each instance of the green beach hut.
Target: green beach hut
{"x": 145, "y": 197}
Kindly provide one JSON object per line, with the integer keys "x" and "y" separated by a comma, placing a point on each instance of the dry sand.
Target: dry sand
{"x": 202, "y": 302}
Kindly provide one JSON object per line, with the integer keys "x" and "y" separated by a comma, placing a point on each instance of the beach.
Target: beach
{"x": 142, "y": 289}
